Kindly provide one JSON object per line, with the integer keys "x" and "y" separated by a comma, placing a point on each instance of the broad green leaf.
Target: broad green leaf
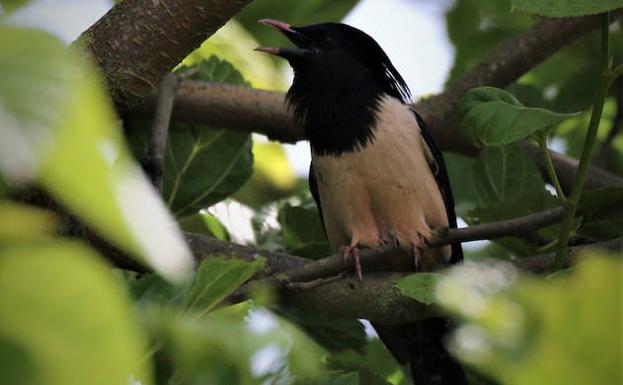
{"x": 463, "y": 181}
{"x": 565, "y": 8}
{"x": 331, "y": 378}
{"x": 22, "y": 223}
{"x": 215, "y": 279}
{"x": 302, "y": 230}
{"x": 58, "y": 127}
{"x": 203, "y": 165}
{"x": 17, "y": 365}
{"x": 420, "y": 286}
{"x": 602, "y": 212}
{"x": 504, "y": 173}
{"x": 525, "y": 330}
{"x": 491, "y": 116}
{"x": 334, "y": 333}
{"x": 64, "y": 312}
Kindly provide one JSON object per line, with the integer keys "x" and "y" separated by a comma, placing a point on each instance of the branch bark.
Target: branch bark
{"x": 138, "y": 41}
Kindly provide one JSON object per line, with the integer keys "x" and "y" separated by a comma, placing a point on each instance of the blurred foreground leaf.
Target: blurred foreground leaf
{"x": 19, "y": 223}
{"x": 58, "y": 127}
{"x": 66, "y": 320}
{"x": 524, "y": 330}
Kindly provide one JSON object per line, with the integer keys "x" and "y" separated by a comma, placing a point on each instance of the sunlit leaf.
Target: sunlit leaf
{"x": 206, "y": 224}
{"x": 215, "y": 279}
{"x": 58, "y": 126}
{"x": 20, "y": 222}
{"x": 65, "y": 313}
{"x": 420, "y": 286}
{"x": 564, "y": 8}
{"x": 491, "y": 116}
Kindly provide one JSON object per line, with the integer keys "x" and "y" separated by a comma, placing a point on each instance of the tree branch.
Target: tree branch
{"x": 139, "y": 41}
{"x": 264, "y": 111}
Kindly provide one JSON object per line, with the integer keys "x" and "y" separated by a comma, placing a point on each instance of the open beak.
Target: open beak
{"x": 303, "y": 43}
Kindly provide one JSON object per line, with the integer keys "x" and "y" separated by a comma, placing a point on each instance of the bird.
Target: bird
{"x": 377, "y": 176}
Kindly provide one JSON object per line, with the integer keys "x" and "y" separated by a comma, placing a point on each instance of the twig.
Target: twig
{"x": 160, "y": 129}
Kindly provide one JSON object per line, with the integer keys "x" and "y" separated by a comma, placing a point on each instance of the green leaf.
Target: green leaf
{"x": 504, "y": 173}
{"x": 602, "y": 212}
{"x": 527, "y": 330}
{"x": 206, "y": 224}
{"x": 59, "y": 128}
{"x": 334, "y": 333}
{"x": 331, "y": 378}
{"x": 463, "y": 181}
{"x": 65, "y": 313}
{"x": 420, "y": 286}
{"x": 215, "y": 279}
{"x": 203, "y": 165}
{"x": 375, "y": 364}
{"x": 565, "y": 8}
{"x": 491, "y": 116}
{"x": 302, "y": 230}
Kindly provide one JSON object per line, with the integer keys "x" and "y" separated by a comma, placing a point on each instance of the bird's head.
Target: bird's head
{"x": 337, "y": 54}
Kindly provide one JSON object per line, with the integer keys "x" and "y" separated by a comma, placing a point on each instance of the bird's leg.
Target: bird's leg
{"x": 353, "y": 252}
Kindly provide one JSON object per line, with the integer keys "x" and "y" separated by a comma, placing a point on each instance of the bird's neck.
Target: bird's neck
{"x": 337, "y": 118}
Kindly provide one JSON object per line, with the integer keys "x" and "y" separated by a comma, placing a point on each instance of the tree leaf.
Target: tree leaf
{"x": 491, "y": 116}
{"x": 602, "y": 212}
{"x": 203, "y": 165}
{"x": 303, "y": 234}
{"x": 504, "y": 173}
{"x": 206, "y": 224}
{"x": 10, "y": 5}
{"x": 334, "y": 333}
{"x": 215, "y": 279}
{"x": 59, "y": 128}
{"x": 331, "y": 378}
{"x": 516, "y": 328}
{"x": 62, "y": 307}
{"x": 564, "y": 8}
{"x": 22, "y": 223}
{"x": 420, "y": 286}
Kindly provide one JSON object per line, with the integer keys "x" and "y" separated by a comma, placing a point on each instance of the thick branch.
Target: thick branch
{"x": 139, "y": 41}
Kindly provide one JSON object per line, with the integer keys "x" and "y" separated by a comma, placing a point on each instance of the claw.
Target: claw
{"x": 349, "y": 252}
{"x": 417, "y": 257}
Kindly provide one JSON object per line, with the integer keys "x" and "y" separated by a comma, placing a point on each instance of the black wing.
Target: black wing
{"x": 441, "y": 176}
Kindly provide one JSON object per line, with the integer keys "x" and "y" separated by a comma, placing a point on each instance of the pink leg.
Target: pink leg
{"x": 417, "y": 257}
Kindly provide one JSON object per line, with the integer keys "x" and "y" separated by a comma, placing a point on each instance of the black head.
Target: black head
{"x": 340, "y": 73}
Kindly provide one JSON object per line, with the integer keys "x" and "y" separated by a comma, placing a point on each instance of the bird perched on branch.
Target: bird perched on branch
{"x": 376, "y": 174}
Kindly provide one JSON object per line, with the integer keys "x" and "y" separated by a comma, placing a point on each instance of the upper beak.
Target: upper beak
{"x": 302, "y": 42}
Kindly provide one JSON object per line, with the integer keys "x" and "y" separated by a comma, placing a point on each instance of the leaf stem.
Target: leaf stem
{"x": 549, "y": 165}
{"x": 571, "y": 204}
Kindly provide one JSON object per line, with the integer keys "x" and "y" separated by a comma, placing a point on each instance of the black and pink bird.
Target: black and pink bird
{"x": 376, "y": 174}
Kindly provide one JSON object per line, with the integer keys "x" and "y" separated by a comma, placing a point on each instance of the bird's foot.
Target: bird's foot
{"x": 417, "y": 256}
{"x": 353, "y": 252}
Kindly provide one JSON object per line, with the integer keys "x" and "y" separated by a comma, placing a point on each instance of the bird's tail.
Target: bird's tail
{"x": 421, "y": 346}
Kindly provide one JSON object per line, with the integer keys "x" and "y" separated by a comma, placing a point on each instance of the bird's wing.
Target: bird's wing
{"x": 438, "y": 167}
